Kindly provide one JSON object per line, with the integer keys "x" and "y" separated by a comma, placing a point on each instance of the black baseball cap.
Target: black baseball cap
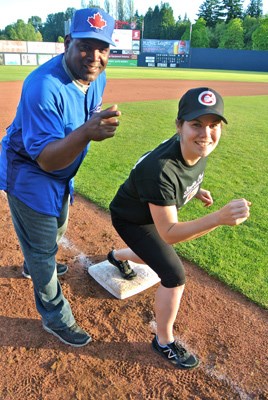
{"x": 201, "y": 101}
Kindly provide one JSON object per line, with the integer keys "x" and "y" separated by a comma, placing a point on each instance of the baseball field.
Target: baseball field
{"x": 223, "y": 316}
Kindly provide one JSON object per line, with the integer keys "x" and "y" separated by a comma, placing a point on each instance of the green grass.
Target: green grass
{"x": 238, "y": 168}
{"x": 9, "y": 73}
{"x": 185, "y": 74}
{"x": 15, "y": 73}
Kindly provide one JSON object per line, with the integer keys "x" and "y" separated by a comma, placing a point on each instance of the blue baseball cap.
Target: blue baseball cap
{"x": 92, "y": 23}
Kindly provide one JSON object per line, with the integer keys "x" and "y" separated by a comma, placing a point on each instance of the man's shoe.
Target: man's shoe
{"x": 74, "y": 335}
{"x": 176, "y": 354}
{"x": 125, "y": 269}
{"x": 61, "y": 270}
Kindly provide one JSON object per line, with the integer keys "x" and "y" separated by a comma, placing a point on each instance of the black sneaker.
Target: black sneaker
{"x": 61, "y": 270}
{"x": 125, "y": 269}
{"x": 74, "y": 335}
{"x": 176, "y": 354}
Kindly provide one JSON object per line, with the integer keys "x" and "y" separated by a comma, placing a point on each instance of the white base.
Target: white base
{"x": 108, "y": 276}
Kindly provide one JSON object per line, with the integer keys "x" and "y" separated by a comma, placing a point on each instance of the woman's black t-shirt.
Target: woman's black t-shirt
{"x": 160, "y": 177}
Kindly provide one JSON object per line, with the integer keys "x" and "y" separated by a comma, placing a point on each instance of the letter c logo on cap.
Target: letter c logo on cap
{"x": 207, "y": 98}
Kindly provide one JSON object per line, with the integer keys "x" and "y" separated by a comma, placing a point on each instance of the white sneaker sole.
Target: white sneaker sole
{"x": 64, "y": 341}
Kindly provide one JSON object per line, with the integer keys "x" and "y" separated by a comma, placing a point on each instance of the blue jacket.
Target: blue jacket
{"x": 51, "y": 106}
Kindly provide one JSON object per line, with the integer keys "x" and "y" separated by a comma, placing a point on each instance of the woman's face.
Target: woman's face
{"x": 199, "y": 137}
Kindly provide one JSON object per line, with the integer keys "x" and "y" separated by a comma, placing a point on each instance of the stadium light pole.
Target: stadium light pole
{"x": 190, "y": 33}
{"x": 142, "y": 30}
{"x": 190, "y": 41}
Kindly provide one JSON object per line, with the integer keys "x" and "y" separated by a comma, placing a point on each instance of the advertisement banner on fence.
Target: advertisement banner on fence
{"x": 12, "y": 59}
{"x": 122, "y": 38}
{"x": 117, "y": 62}
{"x": 59, "y": 47}
{"x": 41, "y": 47}
{"x": 28, "y": 59}
{"x": 166, "y": 46}
{"x": 42, "y": 58}
{"x": 13, "y": 46}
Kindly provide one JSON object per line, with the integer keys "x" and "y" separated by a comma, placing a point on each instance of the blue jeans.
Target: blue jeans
{"x": 37, "y": 234}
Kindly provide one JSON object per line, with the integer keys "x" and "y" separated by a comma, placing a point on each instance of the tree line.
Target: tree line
{"x": 219, "y": 24}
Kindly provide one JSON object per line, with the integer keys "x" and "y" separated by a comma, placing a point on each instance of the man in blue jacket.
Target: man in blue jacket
{"x": 59, "y": 113}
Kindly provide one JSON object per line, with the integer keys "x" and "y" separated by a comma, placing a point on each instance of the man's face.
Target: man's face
{"x": 86, "y": 58}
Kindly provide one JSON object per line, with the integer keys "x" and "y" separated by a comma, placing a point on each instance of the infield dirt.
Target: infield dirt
{"x": 228, "y": 332}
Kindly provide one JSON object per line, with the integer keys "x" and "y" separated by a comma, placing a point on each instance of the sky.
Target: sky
{"x": 12, "y": 10}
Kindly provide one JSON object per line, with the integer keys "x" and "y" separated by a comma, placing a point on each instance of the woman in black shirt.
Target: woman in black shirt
{"x": 145, "y": 210}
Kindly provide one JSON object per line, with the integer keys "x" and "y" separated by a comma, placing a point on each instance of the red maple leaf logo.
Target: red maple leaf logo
{"x": 97, "y": 21}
